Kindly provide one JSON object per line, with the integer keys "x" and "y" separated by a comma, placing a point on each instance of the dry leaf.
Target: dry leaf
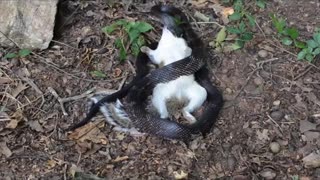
{"x": 305, "y": 125}
{"x": 35, "y": 125}
{"x": 18, "y": 89}
{"x": 89, "y": 132}
{"x": 201, "y": 16}
{"x": 180, "y": 175}
{"x": 312, "y": 160}
{"x": 117, "y": 72}
{"x": 12, "y": 124}
{"x": 51, "y": 163}
{"x": 264, "y": 135}
{"x": 226, "y": 12}
{"x": 5, "y": 150}
{"x": 4, "y": 80}
{"x": 119, "y": 159}
{"x": 73, "y": 169}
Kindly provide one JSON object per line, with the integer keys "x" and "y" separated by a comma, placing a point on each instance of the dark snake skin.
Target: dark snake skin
{"x": 136, "y": 92}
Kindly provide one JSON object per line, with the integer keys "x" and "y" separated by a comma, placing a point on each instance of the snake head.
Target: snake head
{"x": 171, "y": 17}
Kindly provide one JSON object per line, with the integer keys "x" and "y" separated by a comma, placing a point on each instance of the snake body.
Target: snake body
{"x": 137, "y": 91}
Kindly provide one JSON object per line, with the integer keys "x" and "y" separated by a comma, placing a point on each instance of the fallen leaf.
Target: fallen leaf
{"x": 180, "y": 175}
{"x": 51, "y": 163}
{"x": 35, "y": 125}
{"x": 201, "y": 16}
{"x": 12, "y": 124}
{"x": 119, "y": 159}
{"x": 89, "y": 132}
{"x": 305, "y": 125}
{"x": 310, "y": 136}
{"x": 5, "y": 150}
{"x": 312, "y": 160}
{"x": 4, "y": 80}
{"x": 20, "y": 87}
{"x": 117, "y": 72}
{"x": 73, "y": 169}
{"x": 264, "y": 135}
{"x": 226, "y": 12}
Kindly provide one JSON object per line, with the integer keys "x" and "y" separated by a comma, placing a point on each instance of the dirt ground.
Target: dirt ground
{"x": 270, "y": 100}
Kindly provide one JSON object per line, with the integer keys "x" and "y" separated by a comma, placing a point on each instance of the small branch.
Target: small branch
{"x": 73, "y": 98}
{"x": 55, "y": 94}
{"x": 211, "y": 22}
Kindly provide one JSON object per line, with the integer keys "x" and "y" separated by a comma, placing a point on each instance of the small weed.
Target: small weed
{"x": 21, "y": 54}
{"x": 246, "y": 20}
{"x": 243, "y": 21}
{"x": 312, "y": 48}
{"x": 133, "y": 36}
{"x": 98, "y": 74}
{"x": 289, "y": 37}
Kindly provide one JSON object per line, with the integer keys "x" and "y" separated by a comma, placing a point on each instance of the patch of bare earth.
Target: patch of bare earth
{"x": 269, "y": 126}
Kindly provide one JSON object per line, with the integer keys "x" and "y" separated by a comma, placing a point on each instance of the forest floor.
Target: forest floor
{"x": 271, "y": 99}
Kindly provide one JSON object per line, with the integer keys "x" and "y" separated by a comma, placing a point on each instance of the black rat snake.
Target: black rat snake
{"x": 137, "y": 91}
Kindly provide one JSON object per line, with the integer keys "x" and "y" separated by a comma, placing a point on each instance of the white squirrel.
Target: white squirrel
{"x": 171, "y": 49}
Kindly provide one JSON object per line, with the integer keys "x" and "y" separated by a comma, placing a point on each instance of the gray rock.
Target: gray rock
{"x": 29, "y": 23}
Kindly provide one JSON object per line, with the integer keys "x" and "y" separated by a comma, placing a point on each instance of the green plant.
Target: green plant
{"x": 289, "y": 36}
{"x": 21, "y": 53}
{"x": 312, "y": 48}
{"x": 133, "y": 38}
{"x": 243, "y": 22}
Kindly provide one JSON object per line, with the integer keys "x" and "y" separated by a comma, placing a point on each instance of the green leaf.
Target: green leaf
{"x": 312, "y": 44}
{"x": 300, "y": 44}
{"x": 309, "y": 57}
{"x": 121, "y": 22}
{"x": 143, "y": 26}
{"x": 261, "y": 4}
{"x": 233, "y": 30}
{"x": 293, "y": 33}
{"x": 122, "y": 50}
{"x": 251, "y": 19}
{"x": 316, "y": 37}
{"x": 238, "y": 5}
{"x": 141, "y": 41}
{"x": 221, "y": 36}
{"x": 302, "y": 54}
{"x": 135, "y": 48}
{"x": 246, "y": 36}
{"x": 235, "y": 16}
{"x": 278, "y": 23}
{"x": 237, "y": 45}
{"x": 242, "y": 27}
{"x": 316, "y": 51}
{"x": 98, "y": 74}
{"x": 10, "y": 55}
{"x": 133, "y": 34}
{"x": 286, "y": 41}
{"x": 109, "y": 29}
{"x": 24, "y": 52}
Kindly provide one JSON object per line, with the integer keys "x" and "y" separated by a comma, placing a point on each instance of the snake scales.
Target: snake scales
{"x": 137, "y": 91}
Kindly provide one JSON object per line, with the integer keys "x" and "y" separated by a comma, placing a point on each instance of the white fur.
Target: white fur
{"x": 169, "y": 50}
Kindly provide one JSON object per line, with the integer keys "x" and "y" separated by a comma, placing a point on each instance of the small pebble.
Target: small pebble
{"x": 277, "y": 115}
{"x": 263, "y": 53}
{"x": 258, "y": 81}
{"x": 275, "y": 147}
{"x": 276, "y": 103}
{"x": 228, "y": 90}
{"x": 268, "y": 174}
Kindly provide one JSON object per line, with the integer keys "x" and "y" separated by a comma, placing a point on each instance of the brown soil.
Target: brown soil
{"x": 271, "y": 99}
